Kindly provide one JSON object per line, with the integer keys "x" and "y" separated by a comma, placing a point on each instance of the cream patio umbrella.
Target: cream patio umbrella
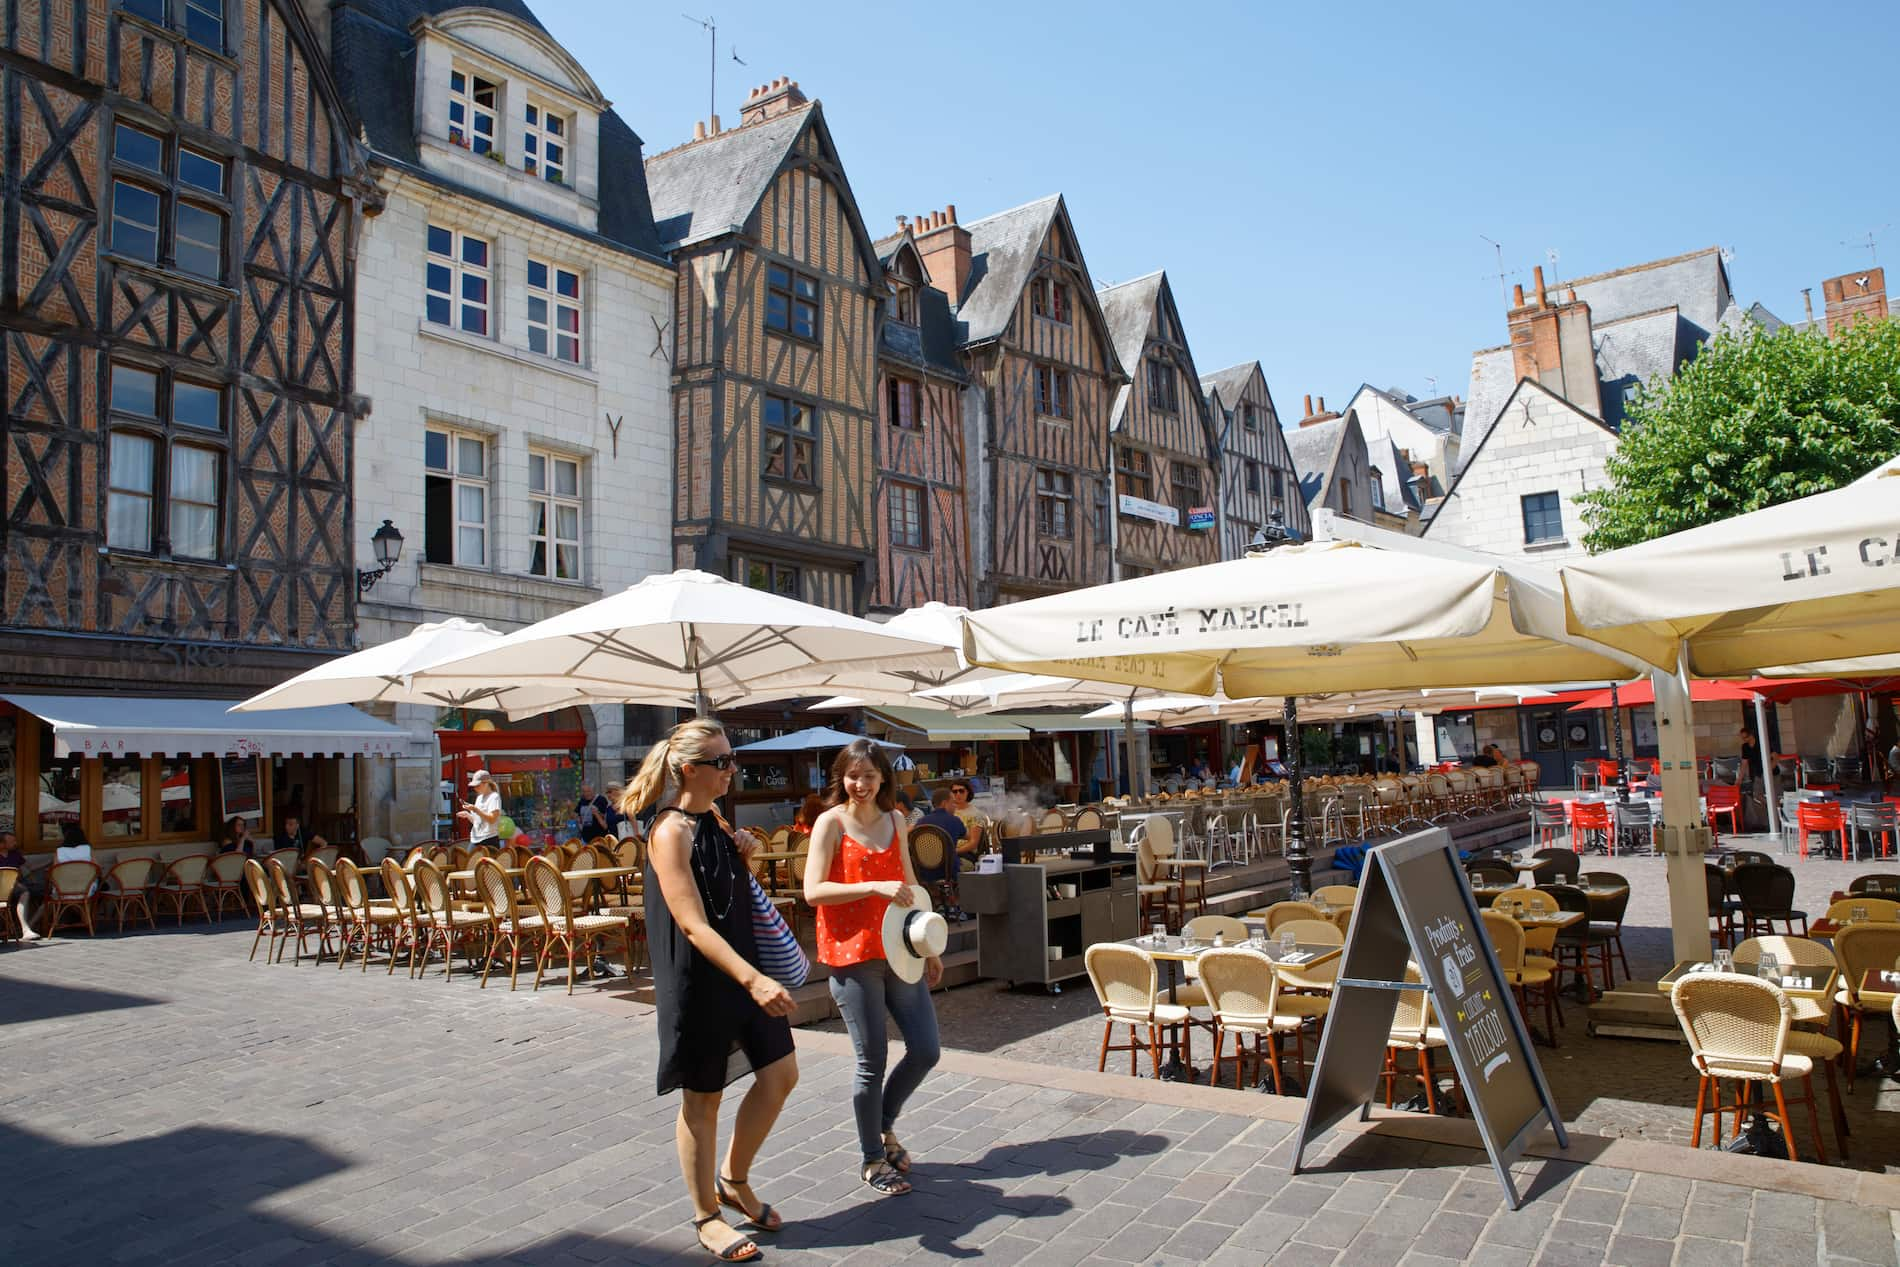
{"x": 680, "y": 635}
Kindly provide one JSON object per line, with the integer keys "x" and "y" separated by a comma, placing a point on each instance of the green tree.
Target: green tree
{"x": 1755, "y": 420}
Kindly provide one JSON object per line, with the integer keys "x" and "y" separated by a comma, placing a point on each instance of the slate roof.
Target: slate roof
{"x": 373, "y": 58}
{"x": 1312, "y": 450}
{"x": 1230, "y": 382}
{"x": 1002, "y": 253}
{"x": 1493, "y": 376}
{"x": 1395, "y": 474}
{"x": 1695, "y": 284}
{"x": 1128, "y": 309}
{"x": 1632, "y": 351}
{"x": 706, "y": 189}
{"x": 931, "y": 344}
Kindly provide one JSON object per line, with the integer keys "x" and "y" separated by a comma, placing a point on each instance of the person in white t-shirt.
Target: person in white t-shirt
{"x": 484, "y": 812}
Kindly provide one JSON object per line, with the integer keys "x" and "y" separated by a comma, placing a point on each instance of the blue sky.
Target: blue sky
{"x": 1316, "y": 178}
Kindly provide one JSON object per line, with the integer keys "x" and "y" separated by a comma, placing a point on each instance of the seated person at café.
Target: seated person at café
{"x": 907, "y": 805}
{"x": 238, "y": 838}
{"x": 808, "y": 811}
{"x": 292, "y": 836}
{"x": 941, "y": 816}
{"x": 11, "y": 855}
{"x": 973, "y": 819}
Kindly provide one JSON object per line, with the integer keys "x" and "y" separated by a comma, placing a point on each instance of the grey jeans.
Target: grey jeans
{"x": 863, "y": 993}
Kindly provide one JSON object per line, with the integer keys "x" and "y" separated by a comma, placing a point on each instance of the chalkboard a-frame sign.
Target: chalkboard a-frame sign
{"x": 1416, "y": 905}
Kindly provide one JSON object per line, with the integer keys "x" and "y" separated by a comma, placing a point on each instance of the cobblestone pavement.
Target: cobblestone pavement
{"x": 1631, "y": 1088}
{"x": 166, "y": 1102}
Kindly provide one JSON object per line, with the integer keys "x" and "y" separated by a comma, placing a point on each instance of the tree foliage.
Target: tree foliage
{"x": 1755, "y": 420}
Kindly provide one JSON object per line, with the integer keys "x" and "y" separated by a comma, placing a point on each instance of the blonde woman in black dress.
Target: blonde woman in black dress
{"x": 719, "y": 1015}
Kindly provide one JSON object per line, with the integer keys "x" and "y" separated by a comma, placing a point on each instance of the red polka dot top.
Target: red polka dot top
{"x": 852, "y": 932}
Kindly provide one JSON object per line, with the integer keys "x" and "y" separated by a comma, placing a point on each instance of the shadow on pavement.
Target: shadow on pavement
{"x": 22, "y": 1001}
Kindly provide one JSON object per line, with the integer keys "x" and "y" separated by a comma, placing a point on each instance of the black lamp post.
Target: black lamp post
{"x": 387, "y": 542}
{"x": 1299, "y": 862}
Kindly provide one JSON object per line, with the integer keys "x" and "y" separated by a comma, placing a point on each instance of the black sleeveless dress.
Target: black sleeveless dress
{"x": 711, "y": 1032}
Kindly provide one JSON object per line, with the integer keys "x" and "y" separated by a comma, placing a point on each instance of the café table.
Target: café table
{"x": 1796, "y": 982}
{"x": 771, "y": 858}
{"x": 597, "y": 878}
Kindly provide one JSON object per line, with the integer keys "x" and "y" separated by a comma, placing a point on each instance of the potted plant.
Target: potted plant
{"x": 496, "y": 157}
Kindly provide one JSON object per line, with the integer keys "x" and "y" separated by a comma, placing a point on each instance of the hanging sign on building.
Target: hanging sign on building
{"x": 1200, "y": 518}
{"x": 1142, "y": 508}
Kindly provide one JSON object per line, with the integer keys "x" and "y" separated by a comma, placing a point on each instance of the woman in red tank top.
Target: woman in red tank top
{"x": 858, "y": 867}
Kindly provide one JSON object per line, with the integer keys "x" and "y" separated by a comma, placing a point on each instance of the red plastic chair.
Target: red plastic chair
{"x": 1587, "y": 817}
{"x": 1725, "y": 799}
{"x": 1606, "y": 772}
{"x": 1824, "y": 817}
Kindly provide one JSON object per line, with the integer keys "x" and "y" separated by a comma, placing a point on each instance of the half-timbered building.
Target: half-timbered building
{"x": 1258, "y": 478}
{"x": 513, "y": 299}
{"x": 920, "y": 506}
{"x": 181, "y": 195}
{"x": 774, "y": 340}
{"x": 1335, "y": 464}
{"x": 1162, "y": 443}
{"x": 1043, "y": 374}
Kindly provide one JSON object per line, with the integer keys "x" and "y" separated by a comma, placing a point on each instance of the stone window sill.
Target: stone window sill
{"x": 1547, "y": 547}
{"x": 480, "y": 580}
{"x": 518, "y": 356}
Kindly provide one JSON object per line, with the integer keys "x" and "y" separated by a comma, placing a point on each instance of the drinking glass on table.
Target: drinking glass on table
{"x": 1159, "y": 934}
{"x": 1288, "y": 943}
{"x": 1724, "y": 959}
{"x": 1769, "y": 968}
{"x": 1858, "y": 914}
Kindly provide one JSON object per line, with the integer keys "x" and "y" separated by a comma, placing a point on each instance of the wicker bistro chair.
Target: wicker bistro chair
{"x": 444, "y": 924}
{"x": 930, "y": 850}
{"x": 303, "y": 918}
{"x": 372, "y": 920}
{"x": 1281, "y": 912}
{"x": 128, "y": 888}
{"x": 1810, "y": 1017}
{"x": 1737, "y": 1029}
{"x": 1879, "y": 910}
{"x": 1767, "y": 897}
{"x": 1415, "y": 1031}
{"x": 1125, "y": 984}
{"x": 1507, "y": 938}
{"x": 1191, "y": 881}
{"x": 1564, "y": 866}
{"x": 71, "y": 890}
{"x": 271, "y": 920}
{"x": 402, "y": 896}
{"x": 1860, "y": 949}
{"x": 224, "y": 882}
{"x": 578, "y": 935}
{"x": 183, "y": 885}
{"x": 1155, "y": 894}
{"x": 1608, "y": 899}
{"x": 1244, "y": 993}
{"x": 9, "y": 918}
{"x": 1491, "y": 874}
{"x": 1875, "y": 882}
{"x": 1310, "y": 932}
{"x": 1088, "y": 818}
{"x": 509, "y": 926}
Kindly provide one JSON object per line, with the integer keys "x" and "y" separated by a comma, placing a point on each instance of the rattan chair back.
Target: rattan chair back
{"x": 1124, "y": 979}
{"x": 1088, "y": 819}
{"x": 396, "y": 885}
{"x": 1203, "y": 928}
{"x": 1533, "y": 900}
{"x": 1280, "y": 912}
{"x": 1799, "y": 952}
{"x": 491, "y": 883}
{"x": 1311, "y": 932}
{"x": 1563, "y": 862}
{"x": 632, "y": 853}
{"x": 1875, "y": 882}
{"x": 1337, "y": 895}
{"x": 280, "y": 881}
{"x": 1490, "y": 873}
{"x": 326, "y": 855}
{"x": 349, "y": 879}
{"x": 1737, "y": 1026}
{"x": 1864, "y": 948}
{"x": 432, "y": 888}
{"x": 1240, "y": 985}
{"x": 9, "y": 880}
{"x": 1507, "y": 938}
{"x": 547, "y": 889}
{"x": 1413, "y": 1015}
{"x": 1764, "y": 888}
{"x": 1051, "y": 821}
{"x": 136, "y": 873}
{"x": 226, "y": 868}
{"x": 416, "y": 854}
{"x": 1159, "y": 834}
{"x": 458, "y": 858}
{"x": 323, "y": 884}
{"x": 187, "y": 872}
{"x": 929, "y": 848}
{"x": 1880, "y": 910}
{"x": 263, "y": 892}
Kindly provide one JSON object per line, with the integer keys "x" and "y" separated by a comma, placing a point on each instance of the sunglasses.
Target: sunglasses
{"x": 721, "y": 762}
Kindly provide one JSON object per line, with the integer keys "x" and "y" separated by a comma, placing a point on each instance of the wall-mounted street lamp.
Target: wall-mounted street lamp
{"x": 387, "y": 542}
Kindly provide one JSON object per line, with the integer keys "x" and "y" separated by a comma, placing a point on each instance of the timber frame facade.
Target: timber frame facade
{"x": 921, "y": 511}
{"x": 774, "y": 347}
{"x": 1163, "y": 449}
{"x": 1258, "y": 476}
{"x": 180, "y": 204}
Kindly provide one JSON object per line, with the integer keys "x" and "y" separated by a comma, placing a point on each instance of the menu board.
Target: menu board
{"x": 1416, "y": 908}
{"x": 237, "y": 776}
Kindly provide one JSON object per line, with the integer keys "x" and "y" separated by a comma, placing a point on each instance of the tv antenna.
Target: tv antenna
{"x": 1870, "y": 243}
{"x": 711, "y": 26}
{"x": 1503, "y": 293}
{"x": 1550, "y": 258}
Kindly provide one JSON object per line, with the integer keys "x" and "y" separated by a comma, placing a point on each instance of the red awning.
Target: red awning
{"x": 1780, "y": 690}
{"x": 1639, "y": 693}
{"x": 1554, "y": 700}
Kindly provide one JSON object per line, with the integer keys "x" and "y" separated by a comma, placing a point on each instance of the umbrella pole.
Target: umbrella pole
{"x": 1684, "y": 839}
{"x": 1128, "y": 746}
{"x": 1299, "y": 863}
{"x": 1616, "y": 746}
{"x": 1767, "y": 767}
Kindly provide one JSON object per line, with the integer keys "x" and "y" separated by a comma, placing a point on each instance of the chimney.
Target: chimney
{"x": 1316, "y": 416}
{"x": 1854, "y": 296}
{"x": 699, "y": 130}
{"x": 769, "y": 101}
{"x": 945, "y": 247}
{"x": 1552, "y": 344}
{"x": 1807, "y": 303}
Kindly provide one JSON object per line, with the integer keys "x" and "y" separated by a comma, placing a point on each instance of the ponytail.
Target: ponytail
{"x": 686, "y": 742}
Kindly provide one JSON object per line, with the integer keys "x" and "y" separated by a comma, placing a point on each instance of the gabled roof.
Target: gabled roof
{"x": 931, "y": 344}
{"x": 707, "y": 189}
{"x": 1493, "y": 378}
{"x": 1436, "y": 413}
{"x": 1314, "y": 451}
{"x": 1232, "y": 381}
{"x": 1128, "y": 308}
{"x": 1002, "y": 254}
{"x": 1631, "y": 352}
{"x": 1395, "y": 475}
{"x": 1470, "y": 455}
{"x": 1695, "y": 284}
{"x": 373, "y": 56}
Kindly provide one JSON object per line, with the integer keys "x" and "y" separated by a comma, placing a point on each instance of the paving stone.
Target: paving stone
{"x": 1375, "y": 1249}
{"x": 1655, "y": 1222}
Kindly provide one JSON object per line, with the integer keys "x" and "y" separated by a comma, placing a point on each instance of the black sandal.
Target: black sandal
{"x": 884, "y": 1179}
{"x": 766, "y": 1220}
{"x": 733, "y": 1253}
{"x": 896, "y": 1154}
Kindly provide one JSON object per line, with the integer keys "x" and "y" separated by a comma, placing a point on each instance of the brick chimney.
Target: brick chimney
{"x": 1316, "y": 416}
{"x": 945, "y": 246}
{"x": 769, "y": 101}
{"x": 1852, "y": 296}
{"x": 1550, "y": 342}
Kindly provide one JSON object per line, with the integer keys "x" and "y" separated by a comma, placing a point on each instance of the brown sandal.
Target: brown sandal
{"x": 766, "y": 1220}
{"x": 896, "y": 1154}
{"x": 737, "y": 1252}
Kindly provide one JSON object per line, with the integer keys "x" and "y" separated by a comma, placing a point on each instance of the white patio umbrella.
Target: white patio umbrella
{"x": 383, "y": 674}
{"x": 683, "y": 634}
{"x": 812, "y": 739}
{"x": 887, "y": 679}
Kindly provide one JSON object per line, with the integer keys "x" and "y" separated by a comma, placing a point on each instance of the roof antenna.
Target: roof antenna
{"x": 1550, "y": 258}
{"x": 1870, "y": 244}
{"x": 1431, "y": 384}
{"x": 1503, "y": 294}
{"x": 711, "y": 27}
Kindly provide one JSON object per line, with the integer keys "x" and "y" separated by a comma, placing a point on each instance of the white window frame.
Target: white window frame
{"x": 459, "y": 480}
{"x": 545, "y": 496}
{"x": 547, "y": 330}
{"x": 472, "y": 110}
{"x": 460, "y": 270}
{"x": 536, "y": 133}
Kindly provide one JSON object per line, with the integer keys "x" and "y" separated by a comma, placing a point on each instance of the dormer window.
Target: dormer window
{"x": 544, "y": 144}
{"x": 1049, "y": 298}
{"x": 905, "y": 308}
{"x": 1249, "y": 418}
{"x": 472, "y": 105}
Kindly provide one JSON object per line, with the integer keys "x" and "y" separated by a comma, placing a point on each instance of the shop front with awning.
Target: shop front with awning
{"x": 163, "y": 775}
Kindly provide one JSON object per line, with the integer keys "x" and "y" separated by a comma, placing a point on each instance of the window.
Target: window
{"x": 1055, "y": 503}
{"x": 1161, "y": 387}
{"x": 1186, "y": 482}
{"x": 1378, "y": 490}
{"x": 910, "y": 517}
{"x": 169, "y": 203}
{"x": 165, "y": 465}
{"x": 901, "y": 399}
{"x": 904, "y": 307}
{"x": 472, "y": 102}
{"x": 1134, "y": 475}
{"x": 766, "y": 574}
{"x": 1345, "y": 496}
{"x": 1252, "y": 470}
{"x": 202, "y": 21}
{"x": 1052, "y": 392}
{"x": 1277, "y": 484}
{"x": 544, "y": 144}
{"x": 455, "y": 498}
{"x": 1249, "y": 418}
{"x": 791, "y": 441}
{"x": 554, "y": 517}
{"x": 791, "y": 302}
{"x": 1543, "y": 518}
{"x": 1049, "y": 298}
{"x": 458, "y": 280}
{"x": 554, "y": 311}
